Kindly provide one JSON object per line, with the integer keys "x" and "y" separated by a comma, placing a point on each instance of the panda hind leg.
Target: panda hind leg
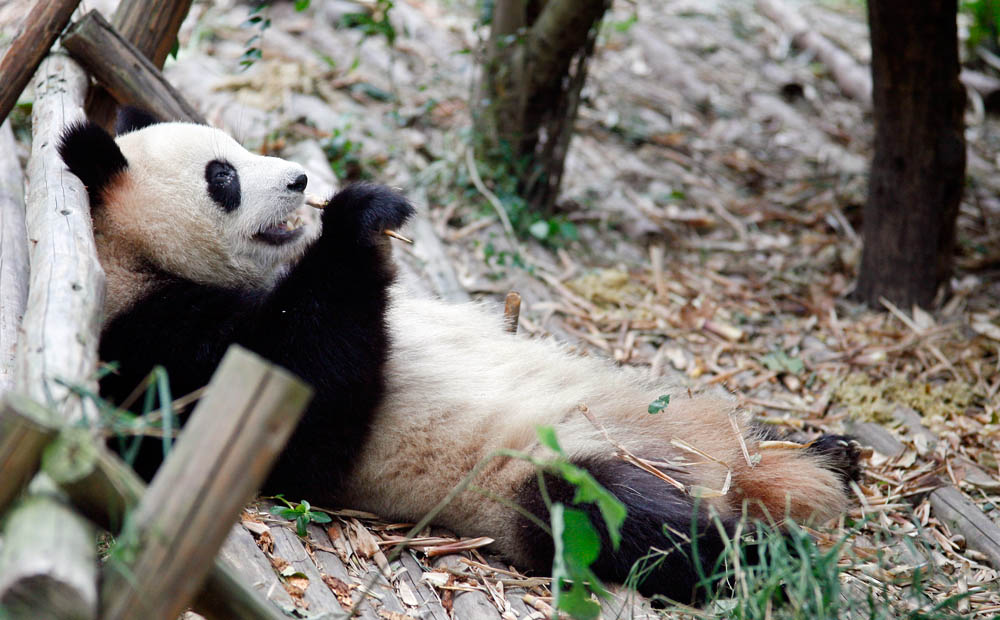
{"x": 669, "y": 541}
{"x": 808, "y": 484}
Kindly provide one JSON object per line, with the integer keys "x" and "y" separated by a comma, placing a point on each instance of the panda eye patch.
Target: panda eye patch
{"x": 223, "y": 184}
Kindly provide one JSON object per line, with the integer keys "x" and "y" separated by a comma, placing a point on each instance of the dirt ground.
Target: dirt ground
{"x": 716, "y": 185}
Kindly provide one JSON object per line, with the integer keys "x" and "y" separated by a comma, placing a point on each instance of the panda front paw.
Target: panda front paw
{"x": 364, "y": 211}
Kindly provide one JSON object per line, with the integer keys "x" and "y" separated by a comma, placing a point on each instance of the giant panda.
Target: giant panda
{"x": 411, "y": 393}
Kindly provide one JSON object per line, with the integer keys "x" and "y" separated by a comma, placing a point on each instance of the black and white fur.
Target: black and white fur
{"x": 187, "y": 275}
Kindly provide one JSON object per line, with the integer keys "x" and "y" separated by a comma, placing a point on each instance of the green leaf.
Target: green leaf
{"x": 574, "y": 540}
{"x": 539, "y": 230}
{"x": 278, "y": 510}
{"x": 300, "y": 524}
{"x": 320, "y": 517}
{"x": 547, "y": 437}
{"x": 304, "y": 506}
{"x": 589, "y": 490}
{"x": 301, "y": 5}
{"x": 780, "y": 361}
{"x": 579, "y": 604}
{"x": 659, "y": 404}
{"x": 581, "y": 542}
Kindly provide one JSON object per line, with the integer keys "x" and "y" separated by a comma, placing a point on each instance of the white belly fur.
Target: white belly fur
{"x": 460, "y": 387}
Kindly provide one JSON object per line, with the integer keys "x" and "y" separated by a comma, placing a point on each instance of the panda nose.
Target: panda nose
{"x": 299, "y": 184}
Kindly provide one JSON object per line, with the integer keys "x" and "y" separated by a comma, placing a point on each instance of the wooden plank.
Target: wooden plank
{"x": 13, "y": 253}
{"x": 52, "y": 562}
{"x": 226, "y": 449}
{"x": 330, "y": 564}
{"x": 31, "y": 43}
{"x": 288, "y": 547}
{"x": 124, "y": 71}
{"x": 430, "y": 605}
{"x": 473, "y": 605}
{"x": 241, "y": 553}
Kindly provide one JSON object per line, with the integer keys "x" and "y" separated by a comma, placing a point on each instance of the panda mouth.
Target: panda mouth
{"x": 282, "y": 232}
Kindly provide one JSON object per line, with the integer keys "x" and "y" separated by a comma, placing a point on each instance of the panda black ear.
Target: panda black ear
{"x": 133, "y": 119}
{"x": 92, "y": 154}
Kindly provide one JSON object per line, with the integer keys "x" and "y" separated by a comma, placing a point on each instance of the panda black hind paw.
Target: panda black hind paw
{"x": 841, "y": 454}
{"x": 365, "y": 211}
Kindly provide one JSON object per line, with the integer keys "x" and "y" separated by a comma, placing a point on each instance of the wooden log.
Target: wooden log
{"x": 31, "y": 43}
{"x": 225, "y": 451}
{"x": 105, "y": 489}
{"x": 25, "y": 429}
{"x": 61, "y": 325}
{"x": 48, "y": 561}
{"x": 124, "y": 71}
{"x": 13, "y": 253}
{"x": 152, "y": 28}
{"x": 953, "y": 508}
{"x": 48, "y": 564}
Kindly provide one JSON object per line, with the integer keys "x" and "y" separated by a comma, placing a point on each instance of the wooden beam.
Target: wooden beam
{"x": 124, "y": 71}
{"x": 224, "y": 453}
{"x": 38, "y": 32}
{"x": 13, "y": 253}
{"x": 48, "y": 564}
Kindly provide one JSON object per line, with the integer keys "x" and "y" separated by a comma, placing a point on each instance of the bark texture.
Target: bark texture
{"x": 535, "y": 67}
{"x": 918, "y": 168}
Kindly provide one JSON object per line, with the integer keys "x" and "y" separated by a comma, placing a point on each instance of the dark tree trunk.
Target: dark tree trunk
{"x": 535, "y": 67}
{"x": 918, "y": 169}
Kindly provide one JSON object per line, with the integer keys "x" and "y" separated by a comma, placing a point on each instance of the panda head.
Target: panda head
{"x": 187, "y": 200}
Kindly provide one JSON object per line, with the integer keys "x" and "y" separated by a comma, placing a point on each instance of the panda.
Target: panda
{"x": 411, "y": 393}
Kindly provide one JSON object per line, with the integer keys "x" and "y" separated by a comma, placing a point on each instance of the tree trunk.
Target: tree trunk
{"x": 535, "y": 67}
{"x": 918, "y": 169}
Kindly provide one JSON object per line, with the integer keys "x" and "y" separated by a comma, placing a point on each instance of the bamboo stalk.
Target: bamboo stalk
{"x": 124, "y": 71}
{"x": 225, "y": 451}
{"x": 38, "y": 32}
{"x": 13, "y": 254}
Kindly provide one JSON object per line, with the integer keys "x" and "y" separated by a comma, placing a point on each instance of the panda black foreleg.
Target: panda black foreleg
{"x": 326, "y": 323}
{"x": 665, "y": 531}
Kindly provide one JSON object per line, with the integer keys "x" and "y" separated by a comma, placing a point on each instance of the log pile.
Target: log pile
{"x": 60, "y": 485}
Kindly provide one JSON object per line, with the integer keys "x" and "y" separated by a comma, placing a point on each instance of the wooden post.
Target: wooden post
{"x": 152, "y": 27}
{"x": 48, "y": 563}
{"x": 25, "y": 429}
{"x": 105, "y": 489}
{"x": 13, "y": 254}
{"x": 39, "y": 31}
{"x": 123, "y": 70}
{"x": 225, "y": 451}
